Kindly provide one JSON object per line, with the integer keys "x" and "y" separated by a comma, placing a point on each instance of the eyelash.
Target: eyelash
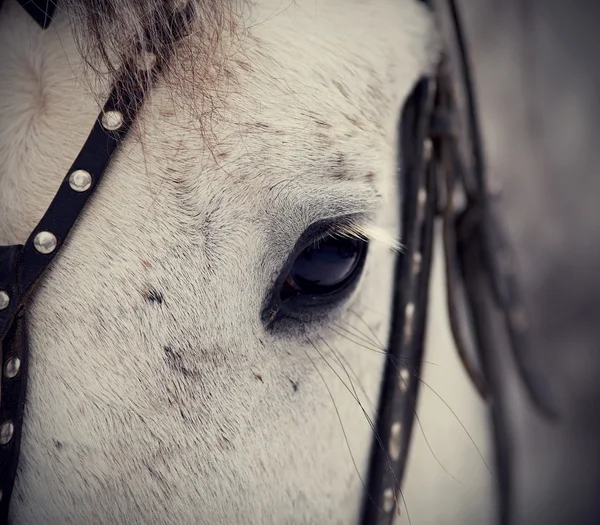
{"x": 297, "y": 310}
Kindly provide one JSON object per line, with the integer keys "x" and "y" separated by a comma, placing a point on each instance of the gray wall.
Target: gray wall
{"x": 537, "y": 75}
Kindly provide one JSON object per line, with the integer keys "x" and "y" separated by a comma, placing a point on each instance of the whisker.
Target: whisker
{"x": 340, "y": 356}
{"x": 368, "y": 328}
{"x": 414, "y": 412}
{"x": 376, "y": 350}
{"x": 360, "y": 336}
{"x": 334, "y": 404}
{"x": 371, "y": 424}
{"x": 430, "y": 447}
{"x": 413, "y": 372}
{"x": 462, "y": 425}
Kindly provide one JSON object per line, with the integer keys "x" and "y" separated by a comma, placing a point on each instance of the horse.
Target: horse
{"x": 162, "y": 388}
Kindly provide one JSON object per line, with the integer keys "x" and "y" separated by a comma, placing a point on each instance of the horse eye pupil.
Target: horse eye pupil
{"x": 326, "y": 265}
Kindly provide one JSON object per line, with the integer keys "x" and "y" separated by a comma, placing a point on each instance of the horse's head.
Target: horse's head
{"x": 208, "y": 346}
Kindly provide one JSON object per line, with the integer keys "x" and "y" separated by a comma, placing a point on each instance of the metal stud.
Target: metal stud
{"x": 416, "y": 266}
{"x": 80, "y": 180}
{"x": 4, "y": 300}
{"x": 422, "y": 196}
{"x": 45, "y": 242}
{"x": 12, "y": 367}
{"x": 112, "y": 120}
{"x": 409, "y": 313}
{"x": 388, "y": 500}
{"x": 427, "y": 149}
{"x": 6, "y": 432}
{"x": 394, "y": 444}
{"x": 403, "y": 379}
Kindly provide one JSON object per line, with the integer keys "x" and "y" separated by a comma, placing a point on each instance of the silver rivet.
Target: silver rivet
{"x": 409, "y": 312}
{"x": 417, "y": 258}
{"x": 45, "y": 242}
{"x": 388, "y": 500}
{"x": 80, "y": 180}
{"x": 6, "y": 432}
{"x": 427, "y": 149}
{"x": 394, "y": 444}
{"x": 4, "y": 300}
{"x": 12, "y": 367}
{"x": 403, "y": 379}
{"x": 112, "y": 120}
{"x": 422, "y": 196}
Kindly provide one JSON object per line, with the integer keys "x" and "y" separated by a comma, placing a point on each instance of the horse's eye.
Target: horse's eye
{"x": 325, "y": 267}
{"x": 322, "y": 271}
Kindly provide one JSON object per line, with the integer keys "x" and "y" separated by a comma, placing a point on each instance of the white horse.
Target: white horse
{"x": 156, "y": 394}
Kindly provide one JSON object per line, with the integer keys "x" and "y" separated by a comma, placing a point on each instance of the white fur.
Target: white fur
{"x": 203, "y": 204}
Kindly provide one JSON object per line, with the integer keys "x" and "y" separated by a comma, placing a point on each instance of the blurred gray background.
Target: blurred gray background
{"x": 537, "y": 76}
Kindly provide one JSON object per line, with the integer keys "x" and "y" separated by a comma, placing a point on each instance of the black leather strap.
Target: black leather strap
{"x": 125, "y": 99}
{"x": 14, "y": 361}
{"x": 409, "y": 312}
{"x": 40, "y": 10}
{"x": 22, "y": 266}
{"x": 483, "y": 294}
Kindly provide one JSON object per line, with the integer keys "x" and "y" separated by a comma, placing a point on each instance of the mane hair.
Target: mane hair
{"x": 113, "y": 33}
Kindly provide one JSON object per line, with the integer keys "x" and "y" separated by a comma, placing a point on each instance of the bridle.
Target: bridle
{"x": 441, "y": 164}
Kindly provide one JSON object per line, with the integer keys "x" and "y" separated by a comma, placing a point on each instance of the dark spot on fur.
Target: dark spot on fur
{"x": 341, "y": 88}
{"x": 222, "y": 155}
{"x": 325, "y": 139}
{"x": 153, "y": 296}
{"x": 339, "y": 170}
{"x": 322, "y": 123}
{"x": 266, "y": 127}
{"x": 375, "y": 92}
{"x": 57, "y": 444}
{"x": 294, "y": 385}
{"x": 244, "y": 65}
{"x": 355, "y": 121}
{"x": 258, "y": 376}
{"x": 175, "y": 362}
{"x": 155, "y": 475}
{"x": 223, "y": 443}
{"x": 370, "y": 176}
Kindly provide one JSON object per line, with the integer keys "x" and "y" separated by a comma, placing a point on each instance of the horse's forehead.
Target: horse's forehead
{"x": 308, "y": 93}
{"x": 343, "y": 60}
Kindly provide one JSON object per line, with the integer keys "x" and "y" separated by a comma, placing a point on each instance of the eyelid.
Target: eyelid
{"x": 345, "y": 226}
{"x": 316, "y": 231}
{"x": 367, "y": 231}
